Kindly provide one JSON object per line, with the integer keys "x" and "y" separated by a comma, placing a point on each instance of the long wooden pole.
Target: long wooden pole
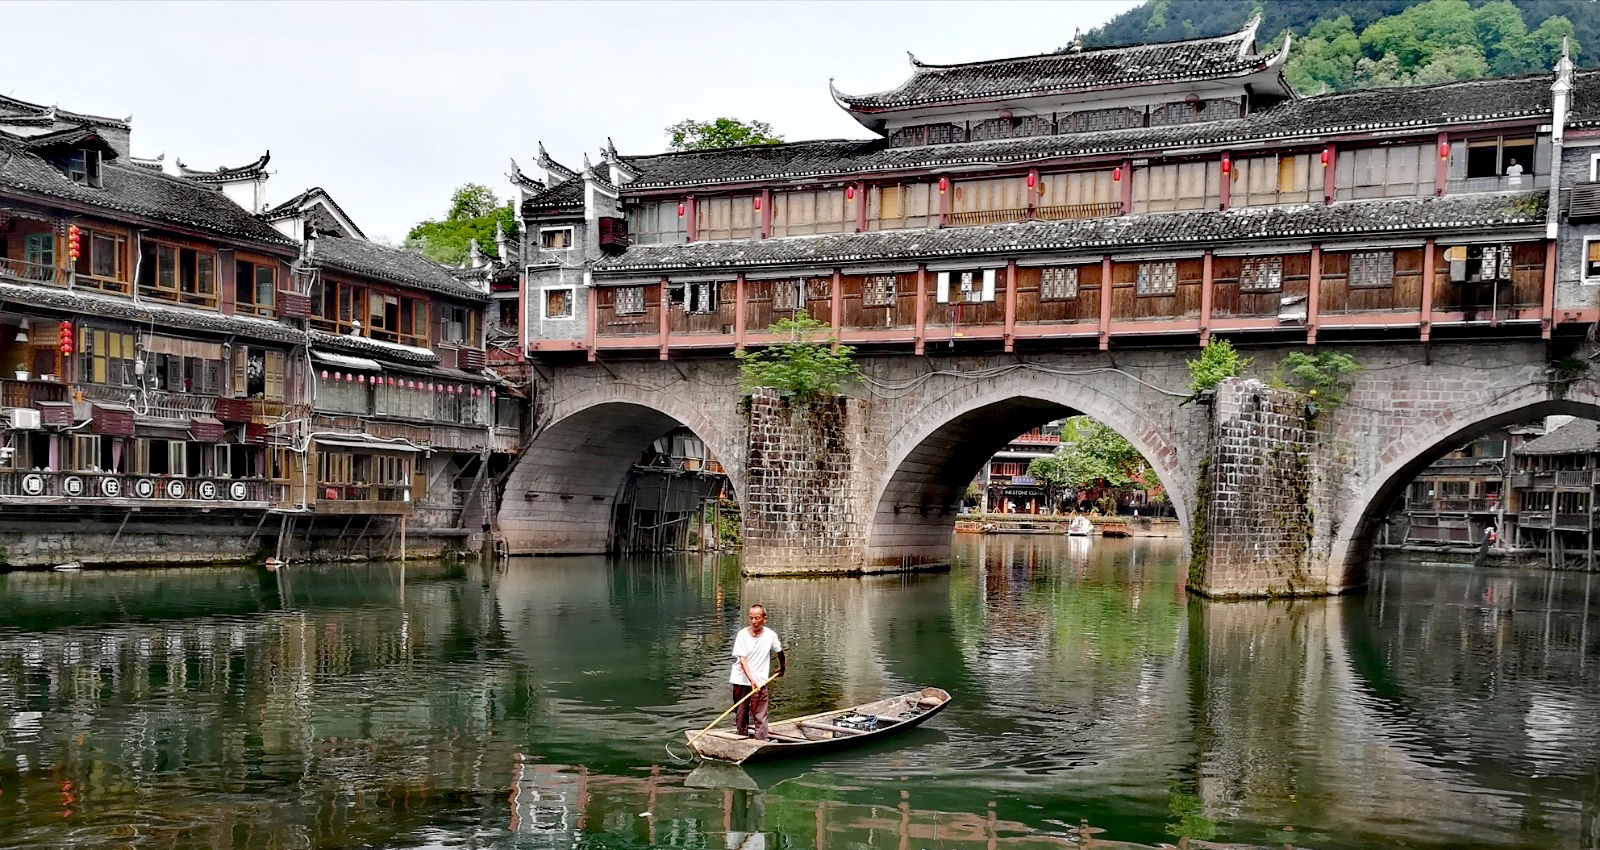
{"x": 753, "y": 692}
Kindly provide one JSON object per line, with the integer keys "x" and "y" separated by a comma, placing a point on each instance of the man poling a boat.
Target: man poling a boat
{"x": 753, "y": 649}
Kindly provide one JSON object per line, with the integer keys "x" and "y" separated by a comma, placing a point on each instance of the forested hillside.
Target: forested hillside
{"x": 1364, "y": 43}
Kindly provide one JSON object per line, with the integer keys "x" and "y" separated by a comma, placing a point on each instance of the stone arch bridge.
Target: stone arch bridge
{"x": 1275, "y": 497}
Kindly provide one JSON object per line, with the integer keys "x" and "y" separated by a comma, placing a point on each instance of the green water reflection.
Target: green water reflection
{"x": 529, "y": 704}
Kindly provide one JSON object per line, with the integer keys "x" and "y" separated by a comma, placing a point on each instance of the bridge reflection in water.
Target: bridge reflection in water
{"x": 528, "y": 705}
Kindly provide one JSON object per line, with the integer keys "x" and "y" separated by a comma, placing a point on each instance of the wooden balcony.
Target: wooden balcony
{"x": 335, "y": 499}
{"x": 30, "y": 393}
{"x": 1060, "y": 212}
{"x": 18, "y": 271}
{"x": 120, "y": 490}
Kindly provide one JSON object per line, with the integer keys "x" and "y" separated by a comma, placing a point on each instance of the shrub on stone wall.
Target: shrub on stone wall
{"x": 805, "y": 366}
{"x": 1217, "y": 362}
{"x": 1323, "y": 374}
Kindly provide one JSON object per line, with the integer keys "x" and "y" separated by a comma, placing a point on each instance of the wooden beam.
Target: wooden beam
{"x": 1105, "y": 302}
{"x": 836, "y": 306}
{"x": 1547, "y": 309}
{"x": 591, "y": 333}
{"x": 922, "y": 308}
{"x": 665, "y": 303}
{"x": 1206, "y": 280}
{"x": 1314, "y": 295}
{"x": 1011, "y": 305}
{"x": 861, "y": 206}
{"x": 1427, "y": 289}
{"x": 738, "y": 311}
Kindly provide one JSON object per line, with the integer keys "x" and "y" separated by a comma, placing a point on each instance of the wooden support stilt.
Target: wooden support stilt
{"x": 118, "y": 535}
{"x": 402, "y": 540}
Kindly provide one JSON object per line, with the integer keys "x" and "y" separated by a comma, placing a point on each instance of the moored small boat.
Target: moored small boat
{"x": 1080, "y": 527}
{"x": 844, "y": 727}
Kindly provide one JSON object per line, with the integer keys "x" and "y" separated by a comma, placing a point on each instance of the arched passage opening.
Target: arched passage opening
{"x": 932, "y": 462}
{"x": 562, "y": 497}
{"x": 1376, "y": 508}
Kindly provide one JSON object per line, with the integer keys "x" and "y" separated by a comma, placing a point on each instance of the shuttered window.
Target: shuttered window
{"x": 801, "y": 213}
{"x": 1267, "y": 180}
{"x": 1591, "y": 261}
{"x": 727, "y": 218}
{"x": 1181, "y": 186}
{"x": 906, "y": 205}
{"x": 1387, "y": 172}
{"x": 657, "y": 223}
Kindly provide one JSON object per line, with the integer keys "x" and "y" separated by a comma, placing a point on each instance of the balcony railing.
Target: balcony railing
{"x": 1574, "y": 478}
{"x": 30, "y": 393}
{"x": 19, "y": 270}
{"x": 1060, "y": 212}
{"x": 165, "y": 405}
{"x": 23, "y": 486}
{"x": 1463, "y": 504}
{"x": 1063, "y": 212}
{"x": 1526, "y": 182}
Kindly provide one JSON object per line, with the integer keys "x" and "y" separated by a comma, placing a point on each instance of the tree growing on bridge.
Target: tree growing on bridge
{"x": 806, "y": 366}
{"x": 1217, "y": 363}
{"x": 1323, "y": 375}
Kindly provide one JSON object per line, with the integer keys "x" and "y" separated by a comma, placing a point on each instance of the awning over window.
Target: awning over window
{"x": 346, "y": 361}
{"x": 358, "y": 443}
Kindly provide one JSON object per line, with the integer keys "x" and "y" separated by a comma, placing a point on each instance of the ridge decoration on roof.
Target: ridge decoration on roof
{"x": 14, "y": 111}
{"x": 226, "y": 174}
{"x": 321, "y": 209}
{"x": 1222, "y": 57}
{"x": 554, "y": 168}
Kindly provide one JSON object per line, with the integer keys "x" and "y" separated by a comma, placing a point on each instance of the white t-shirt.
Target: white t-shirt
{"x": 757, "y": 654}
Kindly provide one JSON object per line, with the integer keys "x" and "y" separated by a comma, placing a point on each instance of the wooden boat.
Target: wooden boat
{"x": 1080, "y": 527}
{"x": 829, "y": 730}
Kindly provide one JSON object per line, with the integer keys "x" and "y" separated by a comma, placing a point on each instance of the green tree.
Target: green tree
{"x": 806, "y": 366}
{"x": 1099, "y": 454}
{"x": 1324, "y": 374}
{"x": 1326, "y": 59}
{"x": 1053, "y": 474}
{"x": 474, "y": 211}
{"x": 691, "y": 135}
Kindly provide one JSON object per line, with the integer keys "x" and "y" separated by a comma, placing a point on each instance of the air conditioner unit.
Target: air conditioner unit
{"x": 25, "y": 419}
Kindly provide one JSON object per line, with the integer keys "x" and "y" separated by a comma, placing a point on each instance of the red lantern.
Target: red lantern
{"x": 361, "y": 379}
{"x": 324, "y": 374}
{"x": 1033, "y": 179}
{"x": 944, "y": 183}
{"x": 1227, "y": 164}
{"x": 1327, "y": 157}
{"x": 681, "y": 210}
{"x": 1116, "y": 174}
{"x": 849, "y": 193}
{"x": 349, "y": 378}
{"x": 1444, "y": 150}
{"x": 74, "y": 241}
{"x": 491, "y": 394}
{"x": 758, "y": 202}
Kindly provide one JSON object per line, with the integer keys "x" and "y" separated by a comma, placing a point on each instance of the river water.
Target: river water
{"x": 529, "y": 705}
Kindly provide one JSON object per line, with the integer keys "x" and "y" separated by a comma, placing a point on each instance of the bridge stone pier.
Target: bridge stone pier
{"x": 1276, "y": 497}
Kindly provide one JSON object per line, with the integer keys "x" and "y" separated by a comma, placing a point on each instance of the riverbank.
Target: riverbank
{"x": 1104, "y": 526}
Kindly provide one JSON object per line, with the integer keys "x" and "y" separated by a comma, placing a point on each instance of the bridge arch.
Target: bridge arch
{"x": 1407, "y": 455}
{"x": 932, "y": 455}
{"x": 561, "y": 493}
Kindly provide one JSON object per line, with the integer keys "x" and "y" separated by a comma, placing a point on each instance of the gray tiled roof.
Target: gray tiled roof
{"x": 375, "y": 347}
{"x": 1580, "y": 436}
{"x": 91, "y": 303}
{"x": 1313, "y": 118}
{"x": 1155, "y": 230}
{"x": 137, "y": 191}
{"x": 564, "y": 196}
{"x": 1585, "y": 100}
{"x": 1205, "y": 58}
{"x": 393, "y": 265}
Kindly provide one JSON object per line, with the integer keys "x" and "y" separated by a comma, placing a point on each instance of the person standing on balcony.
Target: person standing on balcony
{"x": 752, "y": 659}
{"x": 1514, "y": 173}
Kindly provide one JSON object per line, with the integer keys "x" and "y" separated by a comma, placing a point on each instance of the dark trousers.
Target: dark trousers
{"x": 750, "y": 718}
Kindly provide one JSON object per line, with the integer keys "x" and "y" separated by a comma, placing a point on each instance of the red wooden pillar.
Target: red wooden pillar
{"x": 691, "y": 213}
{"x": 1547, "y": 309}
{"x": 922, "y": 308}
{"x": 861, "y": 206}
{"x": 738, "y": 311}
{"x": 1330, "y": 157}
{"x": 1427, "y": 289}
{"x": 1011, "y": 305}
{"x": 1105, "y": 302}
{"x": 766, "y": 212}
{"x": 1441, "y": 167}
{"x": 1314, "y": 295}
{"x": 1206, "y": 279}
{"x": 666, "y": 303}
{"x": 836, "y": 306}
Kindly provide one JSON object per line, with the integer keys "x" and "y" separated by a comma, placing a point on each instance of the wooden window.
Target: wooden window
{"x": 258, "y": 373}
{"x": 106, "y": 357}
{"x": 459, "y": 325}
{"x": 1369, "y": 269}
{"x": 989, "y": 201}
{"x": 727, "y": 218}
{"x": 906, "y": 205}
{"x": 800, "y": 213}
{"x": 1074, "y": 190}
{"x": 39, "y": 249}
{"x": 1177, "y": 186}
{"x": 789, "y": 294}
{"x": 101, "y": 260}
{"x": 657, "y": 223}
{"x": 1157, "y": 278}
{"x": 1058, "y": 284}
{"x": 629, "y": 301}
{"x": 83, "y": 166}
{"x": 175, "y": 273}
{"x": 1261, "y": 274}
{"x": 254, "y": 287}
{"x": 701, "y": 297}
{"x": 555, "y": 238}
{"x": 1591, "y": 260}
{"x": 969, "y": 285}
{"x": 1386, "y": 172}
{"x": 1274, "y": 179}
{"x": 558, "y": 303}
{"x": 336, "y": 305}
{"x": 1091, "y": 120}
{"x": 879, "y": 291}
{"x": 1479, "y": 263}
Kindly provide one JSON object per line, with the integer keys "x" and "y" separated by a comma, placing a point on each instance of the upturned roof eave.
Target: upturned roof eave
{"x": 283, "y": 246}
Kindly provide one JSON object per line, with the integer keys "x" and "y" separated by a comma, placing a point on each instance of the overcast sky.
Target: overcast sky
{"x": 390, "y": 106}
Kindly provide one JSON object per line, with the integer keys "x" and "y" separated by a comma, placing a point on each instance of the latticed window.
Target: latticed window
{"x": 1158, "y": 278}
{"x": 789, "y": 294}
{"x": 1371, "y": 268}
{"x": 880, "y": 291}
{"x": 630, "y": 301}
{"x": 1058, "y": 284}
{"x": 702, "y": 297}
{"x": 1118, "y": 118}
{"x": 1261, "y": 274}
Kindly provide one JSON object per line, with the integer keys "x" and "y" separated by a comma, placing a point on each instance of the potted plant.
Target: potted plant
{"x": 21, "y": 370}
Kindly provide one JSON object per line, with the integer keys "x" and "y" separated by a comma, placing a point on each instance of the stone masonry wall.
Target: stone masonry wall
{"x": 802, "y": 512}
{"x": 1256, "y": 505}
